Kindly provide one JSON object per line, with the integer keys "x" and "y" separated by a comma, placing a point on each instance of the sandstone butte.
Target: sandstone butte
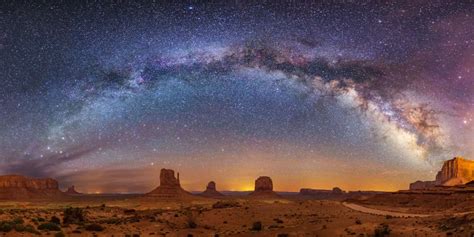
{"x": 170, "y": 187}
{"x": 21, "y": 187}
{"x": 263, "y": 187}
{"x": 457, "y": 171}
{"x": 72, "y": 191}
{"x": 211, "y": 191}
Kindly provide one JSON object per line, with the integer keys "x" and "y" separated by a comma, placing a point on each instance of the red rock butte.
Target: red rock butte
{"x": 264, "y": 187}
{"x": 211, "y": 191}
{"x": 457, "y": 171}
{"x": 170, "y": 187}
{"x": 21, "y": 187}
{"x": 72, "y": 191}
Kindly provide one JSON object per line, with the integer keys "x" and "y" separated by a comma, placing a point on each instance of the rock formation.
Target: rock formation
{"x": 456, "y": 171}
{"x": 72, "y": 191}
{"x": 264, "y": 187}
{"x": 21, "y": 187}
{"x": 263, "y": 184}
{"x": 170, "y": 186}
{"x": 211, "y": 191}
{"x": 419, "y": 185}
{"x": 335, "y": 193}
{"x": 337, "y": 190}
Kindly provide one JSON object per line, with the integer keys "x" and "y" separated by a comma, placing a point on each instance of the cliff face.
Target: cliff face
{"x": 72, "y": 191}
{"x": 167, "y": 178}
{"x": 17, "y": 181}
{"x": 264, "y": 187}
{"x": 211, "y": 190}
{"x": 21, "y": 187}
{"x": 170, "y": 187}
{"x": 455, "y": 171}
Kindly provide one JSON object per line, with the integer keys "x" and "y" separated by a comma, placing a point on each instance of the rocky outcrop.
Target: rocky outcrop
{"x": 167, "y": 178}
{"x": 170, "y": 187}
{"x": 309, "y": 191}
{"x": 455, "y": 171}
{"x": 420, "y": 185}
{"x": 264, "y": 187}
{"x": 335, "y": 193}
{"x": 211, "y": 191}
{"x": 263, "y": 184}
{"x": 337, "y": 190}
{"x": 72, "y": 191}
{"x": 21, "y": 187}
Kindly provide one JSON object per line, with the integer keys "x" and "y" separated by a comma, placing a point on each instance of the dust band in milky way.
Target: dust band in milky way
{"x": 362, "y": 84}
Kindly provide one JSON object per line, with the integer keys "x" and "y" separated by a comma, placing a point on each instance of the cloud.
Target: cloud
{"x": 112, "y": 180}
{"x": 46, "y": 166}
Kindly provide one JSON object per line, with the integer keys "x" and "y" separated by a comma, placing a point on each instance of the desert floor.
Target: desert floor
{"x": 135, "y": 216}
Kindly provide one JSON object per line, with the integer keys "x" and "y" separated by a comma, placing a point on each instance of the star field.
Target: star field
{"x": 363, "y": 95}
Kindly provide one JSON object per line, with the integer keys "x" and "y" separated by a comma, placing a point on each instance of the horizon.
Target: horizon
{"x": 361, "y": 96}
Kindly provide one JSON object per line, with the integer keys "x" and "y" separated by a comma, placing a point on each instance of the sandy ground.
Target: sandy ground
{"x": 237, "y": 216}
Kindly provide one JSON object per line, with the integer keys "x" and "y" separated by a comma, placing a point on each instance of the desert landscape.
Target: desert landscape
{"x": 31, "y": 207}
{"x": 239, "y": 118}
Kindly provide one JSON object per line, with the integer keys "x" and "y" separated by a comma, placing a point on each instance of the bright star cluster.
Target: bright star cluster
{"x": 361, "y": 95}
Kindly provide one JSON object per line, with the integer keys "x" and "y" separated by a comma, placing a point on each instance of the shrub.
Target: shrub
{"x": 19, "y": 227}
{"x": 257, "y": 226}
{"x": 94, "y": 227}
{"x": 49, "y": 226}
{"x": 55, "y": 220}
{"x": 18, "y": 220}
{"x": 73, "y": 216}
{"x": 190, "y": 220}
{"x": 225, "y": 204}
{"x": 382, "y": 230}
{"x": 31, "y": 229}
{"x": 129, "y": 211}
{"x": 191, "y": 224}
{"x": 278, "y": 221}
{"x": 5, "y": 226}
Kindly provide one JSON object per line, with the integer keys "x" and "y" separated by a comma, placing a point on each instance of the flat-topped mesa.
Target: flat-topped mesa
{"x": 263, "y": 184}
{"x": 211, "y": 190}
{"x": 455, "y": 172}
{"x": 334, "y": 193}
{"x": 72, "y": 191}
{"x": 419, "y": 185}
{"x": 21, "y": 187}
{"x": 264, "y": 187}
{"x": 170, "y": 186}
{"x": 322, "y": 192}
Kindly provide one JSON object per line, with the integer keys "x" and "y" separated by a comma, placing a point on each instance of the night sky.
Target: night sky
{"x": 366, "y": 95}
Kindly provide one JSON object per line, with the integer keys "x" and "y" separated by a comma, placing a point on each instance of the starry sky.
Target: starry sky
{"x": 356, "y": 94}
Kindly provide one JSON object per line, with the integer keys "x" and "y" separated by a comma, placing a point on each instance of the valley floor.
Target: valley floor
{"x": 135, "y": 216}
